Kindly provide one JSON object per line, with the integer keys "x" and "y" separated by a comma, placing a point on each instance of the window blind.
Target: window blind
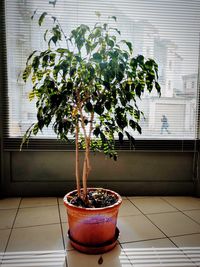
{"x": 166, "y": 30}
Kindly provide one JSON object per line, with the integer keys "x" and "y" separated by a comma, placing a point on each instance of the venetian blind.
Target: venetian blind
{"x": 167, "y": 30}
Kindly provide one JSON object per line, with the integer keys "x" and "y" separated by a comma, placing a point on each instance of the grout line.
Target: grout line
{"x": 62, "y": 233}
{"x": 143, "y": 240}
{"x": 38, "y": 206}
{"x": 196, "y": 233}
{"x": 12, "y": 225}
{"x": 181, "y": 211}
{"x": 191, "y": 218}
{"x": 124, "y": 251}
{"x": 9, "y": 209}
{"x": 169, "y": 203}
{"x": 122, "y": 216}
{"x": 36, "y": 225}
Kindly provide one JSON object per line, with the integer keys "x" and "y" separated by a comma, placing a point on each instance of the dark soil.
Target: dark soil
{"x": 97, "y": 198}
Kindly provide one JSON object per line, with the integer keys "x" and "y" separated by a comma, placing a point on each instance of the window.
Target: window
{"x": 167, "y": 30}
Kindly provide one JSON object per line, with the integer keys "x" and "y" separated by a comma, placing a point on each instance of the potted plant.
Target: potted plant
{"x": 89, "y": 88}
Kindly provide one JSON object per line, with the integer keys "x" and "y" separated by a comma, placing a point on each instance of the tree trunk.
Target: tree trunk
{"x": 86, "y": 168}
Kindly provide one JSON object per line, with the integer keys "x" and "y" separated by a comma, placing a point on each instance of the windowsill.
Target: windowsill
{"x": 36, "y": 144}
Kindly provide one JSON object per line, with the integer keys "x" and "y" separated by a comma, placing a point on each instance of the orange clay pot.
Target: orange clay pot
{"x": 93, "y": 230}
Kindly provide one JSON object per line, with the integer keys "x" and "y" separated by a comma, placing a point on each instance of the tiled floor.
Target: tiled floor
{"x": 154, "y": 231}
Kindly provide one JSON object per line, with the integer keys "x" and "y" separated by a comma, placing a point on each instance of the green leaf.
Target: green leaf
{"x": 70, "y": 85}
{"x": 96, "y": 131}
{"x": 31, "y": 95}
{"x": 137, "y": 114}
{"x": 30, "y": 56}
{"x": 105, "y": 25}
{"x": 35, "y": 129}
{"x": 132, "y": 124}
{"x": 26, "y": 73}
{"x": 41, "y": 19}
{"x": 110, "y": 43}
{"x": 140, "y": 59}
{"x": 121, "y": 136}
{"x": 39, "y": 75}
{"x": 108, "y": 105}
{"x": 35, "y": 63}
{"x": 138, "y": 90}
{"x": 54, "y": 18}
{"x": 119, "y": 76}
{"x": 158, "y": 88}
{"x": 97, "y": 57}
{"x": 130, "y": 138}
{"x": 98, "y": 108}
{"x": 89, "y": 106}
{"x": 115, "y": 29}
{"x": 54, "y": 39}
{"x": 103, "y": 137}
{"x": 113, "y": 17}
{"x": 121, "y": 121}
{"x": 139, "y": 128}
{"x": 45, "y": 35}
{"x": 34, "y": 14}
{"x": 72, "y": 72}
{"x": 129, "y": 44}
{"x": 62, "y": 50}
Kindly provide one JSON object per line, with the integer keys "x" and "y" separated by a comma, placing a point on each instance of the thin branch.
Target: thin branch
{"x": 77, "y": 163}
{"x": 84, "y": 178}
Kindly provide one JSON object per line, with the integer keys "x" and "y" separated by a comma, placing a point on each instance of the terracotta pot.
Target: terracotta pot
{"x": 93, "y": 230}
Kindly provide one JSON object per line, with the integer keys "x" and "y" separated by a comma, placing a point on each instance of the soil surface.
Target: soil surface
{"x": 97, "y": 198}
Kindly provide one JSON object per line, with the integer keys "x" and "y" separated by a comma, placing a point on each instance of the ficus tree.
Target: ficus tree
{"x": 89, "y": 88}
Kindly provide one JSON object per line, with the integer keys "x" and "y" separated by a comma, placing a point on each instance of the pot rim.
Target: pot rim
{"x": 69, "y": 205}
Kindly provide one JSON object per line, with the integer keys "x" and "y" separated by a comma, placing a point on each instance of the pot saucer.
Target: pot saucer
{"x": 95, "y": 249}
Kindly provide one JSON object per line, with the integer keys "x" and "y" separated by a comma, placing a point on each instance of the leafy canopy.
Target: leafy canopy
{"x": 93, "y": 77}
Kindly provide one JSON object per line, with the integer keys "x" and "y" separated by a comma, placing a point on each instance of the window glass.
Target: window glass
{"x": 167, "y": 30}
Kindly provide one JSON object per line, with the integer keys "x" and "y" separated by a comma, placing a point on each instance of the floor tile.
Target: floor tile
{"x": 63, "y": 213}
{"x": 127, "y": 209}
{"x": 7, "y": 218}
{"x": 4, "y": 235}
{"x": 187, "y": 240}
{"x": 37, "y": 216}
{"x": 135, "y": 228}
{"x": 9, "y": 203}
{"x": 194, "y": 214}
{"x": 156, "y": 243}
{"x": 174, "y": 223}
{"x": 38, "y": 202}
{"x": 184, "y": 203}
{"x": 152, "y": 205}
{"x": 38, "y": 238}
{"x": 115, "y": 258}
